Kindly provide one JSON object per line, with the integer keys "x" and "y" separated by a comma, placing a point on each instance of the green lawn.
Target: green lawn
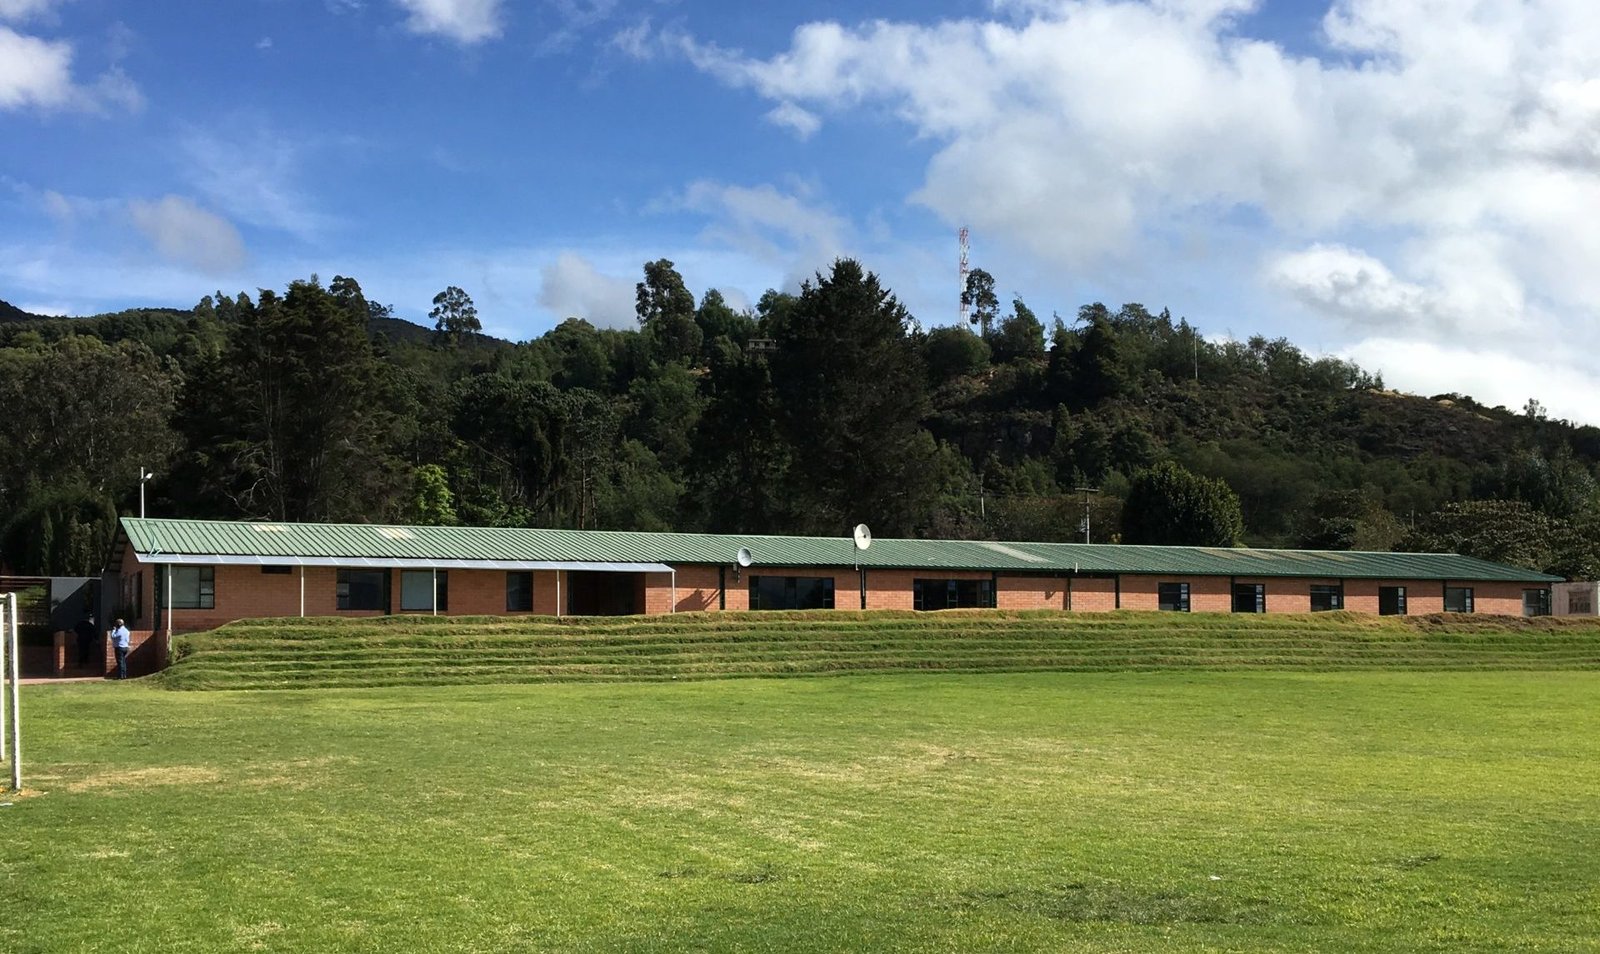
{"x": 1177, "y": 811}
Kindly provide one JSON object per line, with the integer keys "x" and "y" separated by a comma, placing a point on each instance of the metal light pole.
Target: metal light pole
{"x": 144, "y": 476}
{"x": 1086, "y": 491}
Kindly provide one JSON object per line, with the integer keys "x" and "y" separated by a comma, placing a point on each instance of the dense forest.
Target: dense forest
{"x": 807, "y": 414}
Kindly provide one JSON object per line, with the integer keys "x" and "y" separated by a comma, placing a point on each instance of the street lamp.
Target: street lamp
{"x": 144, "y": 477}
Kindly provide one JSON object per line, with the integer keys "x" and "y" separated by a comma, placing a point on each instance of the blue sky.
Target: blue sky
{"x": 1411, "y": 184}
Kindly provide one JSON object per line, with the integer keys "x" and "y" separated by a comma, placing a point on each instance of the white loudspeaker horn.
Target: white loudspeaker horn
{"x": 744, "y": 557}
{"x": 862, "y": 536}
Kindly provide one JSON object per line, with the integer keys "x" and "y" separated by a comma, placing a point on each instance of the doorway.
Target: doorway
{"x": 603, "y": 594}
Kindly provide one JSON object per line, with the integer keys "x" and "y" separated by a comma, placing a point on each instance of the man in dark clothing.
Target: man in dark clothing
{"x": 87, "y": 641}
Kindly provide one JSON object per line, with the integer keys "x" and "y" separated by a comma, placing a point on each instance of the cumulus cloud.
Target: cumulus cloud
{"x": 187, "y": 234}
{"x": 37, "y": 73}
{"x": 465, "y": 21}
{"x": 1434, "y": 166}
{"x": 571, "y": 287}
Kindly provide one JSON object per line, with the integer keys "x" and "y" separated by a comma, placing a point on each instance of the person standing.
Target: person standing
{"x": 120, "y": 638}
{"x": 86, "y": 634}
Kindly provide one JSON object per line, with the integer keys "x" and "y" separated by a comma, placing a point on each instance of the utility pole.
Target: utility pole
{"x": 1086, "y": 491}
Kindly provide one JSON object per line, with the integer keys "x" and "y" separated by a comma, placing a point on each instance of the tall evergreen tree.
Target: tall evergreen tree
{"x": 852, "y": 396}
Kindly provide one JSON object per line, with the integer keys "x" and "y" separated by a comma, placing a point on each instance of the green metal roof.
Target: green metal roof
{"x": 151, "y": 538}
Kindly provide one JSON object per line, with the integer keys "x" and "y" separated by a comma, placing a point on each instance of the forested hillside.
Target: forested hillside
{"x": 808, "y": 414}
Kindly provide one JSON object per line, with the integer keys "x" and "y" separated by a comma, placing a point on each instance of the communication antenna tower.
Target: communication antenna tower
{"x": 961, "y": 275}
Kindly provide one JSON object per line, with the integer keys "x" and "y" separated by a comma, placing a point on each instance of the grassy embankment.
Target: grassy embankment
{"x": 420, "y": 650}
{"x": 1133, "y": 811}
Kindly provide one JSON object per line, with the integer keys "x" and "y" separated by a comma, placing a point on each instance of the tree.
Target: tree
{"x": 1020, "y": 335}
{"x": 1097, "y": 373}
{"x": 1168, "y": 504}
{"x": 81, "y": 417}
{"x": 432, "y": 504}
{"x": 952, "y": 352}
{"x": 295, "y": 421}
{"x": 454, "y": 317}
{"x": 852, "y": 397}
{"x": 980, "y": 297}
{"x": 665, "y": 308}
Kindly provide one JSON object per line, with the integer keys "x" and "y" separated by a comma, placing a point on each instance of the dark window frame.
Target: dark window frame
{"x": 795, "y": 591}
{"x": 519, "y": 590}
{"x": 343, "y": 593}
{"x": 1399, "y": 601}
{"x": 205, "y": 588}
{"x": 1165, "y": 601}
{"x": 931, "y": 594}
{"x": 1258, "y": 592}
{"x": 1329, "y": 595}
{"x": 1464, "y": 599}
{"x": 1544, "y": 605}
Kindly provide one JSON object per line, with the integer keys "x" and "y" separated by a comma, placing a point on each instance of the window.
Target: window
{"x": 1458, "y": 599}
{"x": 364, "y": 590}
{"x": 952, "y": 594}
{"x": 193, "y": 587}
{"x": 1173, "y": 597}
{"x": 519, "y": 591}
{"x": 1325, "y": 598}
{"x": 791, "y": 592}
{"x": 277, "y": 570}
{"x": 1535, "y": 602}
{"x": 416, "y": 590}
{"x": 1249, "y": 597}
{"x": 1391, "y": 601}
{"x": 1580, "y": 602}
{"x": 133, "y": 597}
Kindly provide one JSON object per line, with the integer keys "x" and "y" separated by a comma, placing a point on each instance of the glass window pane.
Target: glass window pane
{"x": 417, "y": 593}
{"x": 519, "y": 591}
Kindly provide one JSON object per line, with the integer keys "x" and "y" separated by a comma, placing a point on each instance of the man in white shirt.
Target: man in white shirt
{"x": 119, "y": 641}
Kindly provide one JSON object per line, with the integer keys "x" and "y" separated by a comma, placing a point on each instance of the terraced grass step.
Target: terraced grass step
{"x": 435, "y": 650}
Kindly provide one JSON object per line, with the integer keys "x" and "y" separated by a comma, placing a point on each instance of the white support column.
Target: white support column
{"x": 302, "y": 590}
{"x": 558, "y": 594}
{"x": 5, "y": 740}
{"x": 674, "y": 607}
{"x": 170, "y": 612}
{"x": 16, "y": 699}
{"x": 435, "y": 571}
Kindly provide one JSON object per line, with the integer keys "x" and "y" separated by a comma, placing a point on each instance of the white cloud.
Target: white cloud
{"x": 37, "y": 73}
{"x": 1507, "y": 376}
{"x": 571, "y": 287}
{"x": 803, "y": 122}
{"x": 254, "y": 177}
{"x": 26, "y": 9}
{"x": 786, "y": 229}
{"x": 34, "y": 72}
{"x": 187, "y": 234}
{"x": 1436, "y": 168}
{"x": 465, "y": 21}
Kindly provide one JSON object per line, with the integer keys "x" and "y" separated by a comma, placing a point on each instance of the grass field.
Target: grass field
{"x": 1174, "y": 811}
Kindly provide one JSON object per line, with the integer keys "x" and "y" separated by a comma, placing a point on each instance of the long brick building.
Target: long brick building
{"x": 188, "y": 575}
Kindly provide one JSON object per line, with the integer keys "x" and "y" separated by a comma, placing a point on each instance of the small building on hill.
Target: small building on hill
{"x": 190, "y": 575}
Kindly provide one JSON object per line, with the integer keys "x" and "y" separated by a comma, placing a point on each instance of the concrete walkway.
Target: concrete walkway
{"x": 47, "y": 680}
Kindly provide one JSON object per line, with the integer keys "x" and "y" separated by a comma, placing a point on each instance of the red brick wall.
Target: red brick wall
{"x": 1090, "y": 595}
{"x": 1032, "y": 592}
{"x": 1207, "y": 594}
{"x": 892, "y": 589}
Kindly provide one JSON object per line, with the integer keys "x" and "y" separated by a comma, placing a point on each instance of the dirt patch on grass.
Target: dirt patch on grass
{"x": 147, "y": 778}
